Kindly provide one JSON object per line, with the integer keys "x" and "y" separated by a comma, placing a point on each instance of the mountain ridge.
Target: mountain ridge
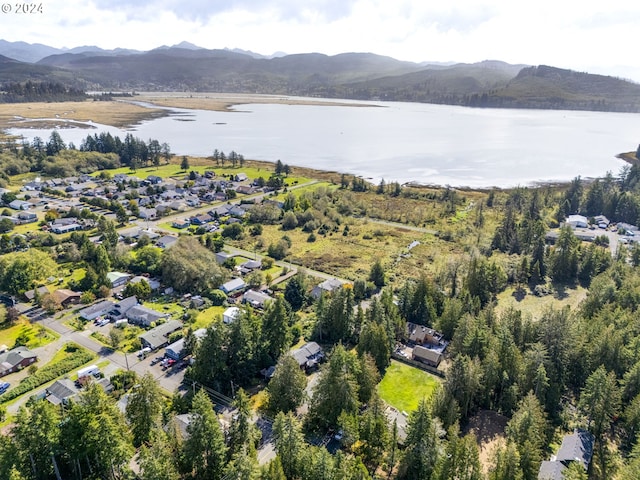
{"x": 355, "y": 75}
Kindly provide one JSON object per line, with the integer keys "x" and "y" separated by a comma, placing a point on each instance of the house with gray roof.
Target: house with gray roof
{"x": 61, "y": 391}
{"x": 16, "y": 359}
{"x": 159, "y": 336}
{"x": 123, "y": 306}
{"x": 256, "y": 299}
{"x": 575, "y": 447}
{"x": 427, "y": 356}
{"x": 117, "y": 279}
{"x": 145, "y": 316}
{"x": 327, "y": 286}
{"x": 233, "y": 286}
{"x": 308, "y": 356}
{"x": 92, "y": 312}
{"x": 176, "y": 349}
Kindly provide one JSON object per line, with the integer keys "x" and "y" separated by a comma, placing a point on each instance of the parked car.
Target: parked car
{"x": 143, "y": 353}
{"x": 156, "y": 360}
{"x": 4, "y": 386}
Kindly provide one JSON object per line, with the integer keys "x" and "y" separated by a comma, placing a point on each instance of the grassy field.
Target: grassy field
{"x": 403, "y": 386}
{"x": 202, "y": 165}
{"x": 207, "y": 316}
{"x": 349, "y": 256}
{"x": 34, "y": 335}
{"x": 535, "y": 306}
{"x": 117, "y": 114}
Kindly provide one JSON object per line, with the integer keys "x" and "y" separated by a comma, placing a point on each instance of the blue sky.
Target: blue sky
{"x": 592, "y": 36}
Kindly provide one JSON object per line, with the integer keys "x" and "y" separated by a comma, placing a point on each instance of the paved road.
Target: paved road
{"x": 169, "y": 380}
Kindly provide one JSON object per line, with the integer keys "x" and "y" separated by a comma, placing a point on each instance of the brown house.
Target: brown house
{"x": 421, "y": 335}
{"x": 66, "y": 297}
{"x": 427, "y": 356}
{"x": 15, "y": 360}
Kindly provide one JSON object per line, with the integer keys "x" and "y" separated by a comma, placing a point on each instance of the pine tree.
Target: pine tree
{"x": 421, "y": 445}
{"x": 144, "y": 409}
{"x": 204, "y": 449}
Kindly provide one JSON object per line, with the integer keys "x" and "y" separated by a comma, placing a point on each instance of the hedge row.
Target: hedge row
{"x": 79, "y": 356}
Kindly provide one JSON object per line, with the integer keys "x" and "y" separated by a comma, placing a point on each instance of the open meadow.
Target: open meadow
{"x": 403, "y": 386}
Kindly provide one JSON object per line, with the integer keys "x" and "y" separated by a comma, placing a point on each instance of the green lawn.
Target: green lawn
{"x": 35, "y": 335}
{"x": 403, "y": 386}
{"x": 207, "y": 316}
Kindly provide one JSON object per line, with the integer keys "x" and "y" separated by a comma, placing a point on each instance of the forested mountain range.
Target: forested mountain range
{"x": 364, "y": 76}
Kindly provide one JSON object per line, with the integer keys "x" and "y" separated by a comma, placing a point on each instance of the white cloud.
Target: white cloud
{"x": 591, "y": 35}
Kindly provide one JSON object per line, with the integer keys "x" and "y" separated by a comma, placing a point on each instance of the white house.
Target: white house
{"x": 577, "y": 221}
{"x": 230, "y": 314}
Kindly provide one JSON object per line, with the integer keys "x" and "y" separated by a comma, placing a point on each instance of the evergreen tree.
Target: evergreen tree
{"x": 527, "y": 429}
{"x": 276, "y": 332}
{"x": 289, "y": 442}
{"x": 421, "y": 445}
{"x": 287, "y": 387}
{"x": 506, "y": 463}
{"x": 376, "y": 275}
{"x": 461, "y": 458}
{"x": 156, "y": 459}
{"x": 243, "y": 435}
{"x": 37, "y": 435}
{"x": 336, "y": 390}
{"x": 204, "y": 448}
{"x": 294, "y": 292}
{"x": 144, "y": 409}
{"x": 375, "y": 341}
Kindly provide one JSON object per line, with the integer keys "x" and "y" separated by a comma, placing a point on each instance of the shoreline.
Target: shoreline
{"x": 224, "y": 102}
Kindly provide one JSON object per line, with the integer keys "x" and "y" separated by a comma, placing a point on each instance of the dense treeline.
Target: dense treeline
{"x": 31, "y": 91}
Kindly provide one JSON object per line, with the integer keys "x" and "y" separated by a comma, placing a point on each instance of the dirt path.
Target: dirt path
{"x": 488, "y": 427}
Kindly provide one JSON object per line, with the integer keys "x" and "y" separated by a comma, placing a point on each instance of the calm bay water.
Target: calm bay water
{"x": 429, "y": 144}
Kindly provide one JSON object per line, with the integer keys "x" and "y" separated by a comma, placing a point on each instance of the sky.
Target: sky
{"x": 593, "y": 36}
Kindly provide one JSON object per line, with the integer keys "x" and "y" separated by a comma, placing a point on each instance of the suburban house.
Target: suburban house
{"x": 141, "y": 315}
{"x": 222, "y": 257}
{"x": 66, "y": 297}
{"x": 176, "y": 349}
{"x": 65, "y": 228}
{"x": 241, "y": 177}
{"x": 92, "y": 312}
{"x": 230, "y": 314}
{"x": 256, "y": 299}
{"x": 61, "y": 391}
{"x": 31, "y": 294}
{"x": 246, "y": 189}
{"x": 233, "y": 286}
{"x": 153, "y": 283}
{"x": 181, "y": 223}
{"x": 27, "y": 217}
{"x": 421, "y": 335}
{"x": 19, "y": 205}
{"x": 577, "y": 221}
{"x": 159, "y": 336}
{"x": 308, "y": 356}
{"x": 427, "y": 356}
{"x": 575, "y": 447}
{"x": 327, "y": 286}
{"x": 250, "y": 266}
{"x": 123, "y": 306}
{"x": 15, "y": 360}
{"x": 118, "y": 279}
{"x": 166, "y": 241}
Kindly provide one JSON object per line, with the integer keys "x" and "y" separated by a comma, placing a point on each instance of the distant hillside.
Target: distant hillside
{"x": 364, "y": 76}
{"x": 14, "y": 71}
